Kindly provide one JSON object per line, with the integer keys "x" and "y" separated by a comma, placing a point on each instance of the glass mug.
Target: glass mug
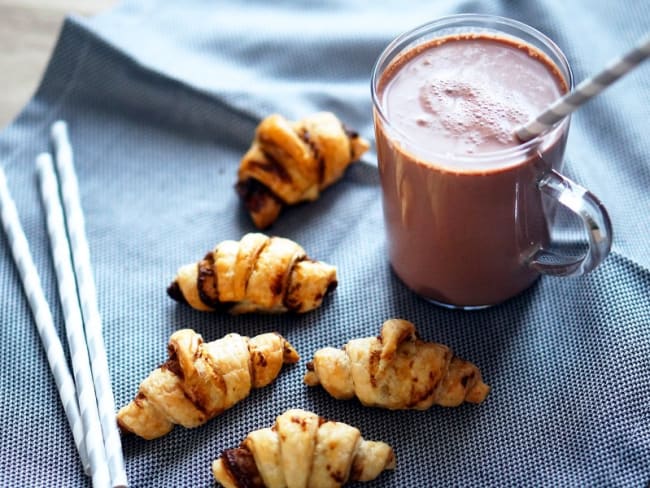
{"x": 468, "y": 209}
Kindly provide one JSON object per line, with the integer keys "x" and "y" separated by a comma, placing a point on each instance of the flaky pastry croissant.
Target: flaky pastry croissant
{"x": 291, "y": 162}
{"x": 396, "y": 370}
{"x": 256, "y": 274}
{"x": 200, "y": 380}
{"x": 302, "y": 450}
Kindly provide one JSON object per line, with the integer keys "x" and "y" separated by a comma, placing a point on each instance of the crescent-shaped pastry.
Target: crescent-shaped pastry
{"x": 292, "y": 162}
{"x": 302, "y": 450}
{"x": 256, "y": 274}
{"x": 200, "y": 380}
{"x": 396, "y": 370}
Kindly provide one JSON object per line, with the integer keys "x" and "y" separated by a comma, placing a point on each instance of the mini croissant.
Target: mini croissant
{"x": 396, "y": 370}
{"x": 256, "y": 274}
{"x": 201, "y": 380}
{"x": 291, "y": 162}
{"x": 302, "y": 450}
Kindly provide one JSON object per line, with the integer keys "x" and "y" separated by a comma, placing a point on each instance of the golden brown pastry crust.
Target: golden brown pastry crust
{"x": 200, "y": 380}
{"x": 396, "y": 370}
{"x": 292, "y": 162}
{"x": 303, "y": 450}
{"x": 256, "y": 274}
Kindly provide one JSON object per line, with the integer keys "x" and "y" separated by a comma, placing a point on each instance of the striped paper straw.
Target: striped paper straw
{"x": 88, "y": 297}
{"x": 73, "y": 322}
{"x": 42, "y": 316}
{"x": 585, "y": 91}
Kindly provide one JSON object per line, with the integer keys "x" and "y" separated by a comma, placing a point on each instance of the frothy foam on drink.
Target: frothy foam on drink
{"x": 471, "y": 113}
{"x": 462, "y": 96}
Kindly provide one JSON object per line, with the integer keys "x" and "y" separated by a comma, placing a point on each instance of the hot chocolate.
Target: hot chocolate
{"x": 461, "y": 203}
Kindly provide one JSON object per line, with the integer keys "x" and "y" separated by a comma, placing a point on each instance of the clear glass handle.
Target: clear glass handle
{"x": 596, "y": 221}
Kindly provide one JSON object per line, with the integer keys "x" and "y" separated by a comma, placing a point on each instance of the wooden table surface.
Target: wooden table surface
{"x": 28, "y": 32}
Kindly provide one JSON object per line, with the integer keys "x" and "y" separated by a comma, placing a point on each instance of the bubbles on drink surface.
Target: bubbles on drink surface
{"x": 470, "y": 112}
{"x": 466, "y": 95}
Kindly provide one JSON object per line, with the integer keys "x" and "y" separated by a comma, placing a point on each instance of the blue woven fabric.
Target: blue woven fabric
{"x": 162, "y": 99}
